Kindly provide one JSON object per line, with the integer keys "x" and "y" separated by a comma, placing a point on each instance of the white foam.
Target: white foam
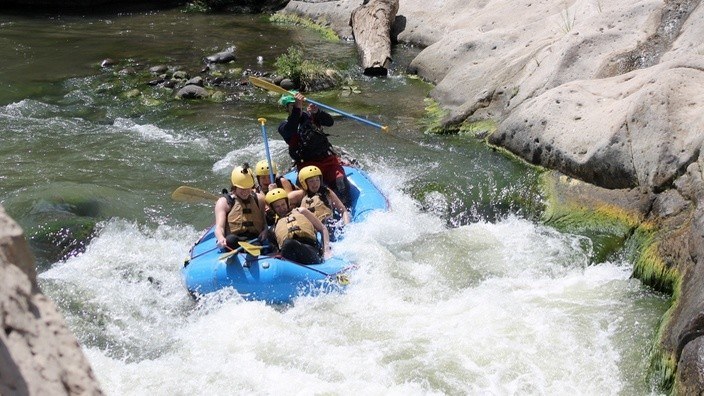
{"x": 485, "y": 308}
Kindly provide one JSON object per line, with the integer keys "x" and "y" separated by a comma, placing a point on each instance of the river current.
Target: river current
{"x": 459, "y": 289}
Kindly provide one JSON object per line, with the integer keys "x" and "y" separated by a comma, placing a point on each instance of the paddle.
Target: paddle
{"x": 224, "y": 256}
{"x": 266, "y": 149}
{"x": 227, "y": 255}
{"x": 193, "y": 195}
{"x": 254, "y": 250}
{"x": 275, "y": 88}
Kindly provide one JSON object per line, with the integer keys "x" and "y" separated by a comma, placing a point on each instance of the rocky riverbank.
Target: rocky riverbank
{"x": 38, "y": 354}
{"x": 606, "y": 93}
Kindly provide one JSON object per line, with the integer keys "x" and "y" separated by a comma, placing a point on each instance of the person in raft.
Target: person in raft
{"x": 261, "y": 171}
{"x": 239, "y": 213}
{"x": 320, "y": 200}
{"x": 295, "y": 231}
{"x": 309, "y": 145}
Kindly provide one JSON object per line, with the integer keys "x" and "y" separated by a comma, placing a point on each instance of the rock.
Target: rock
{"x": 160, "y": 69}
{"x": 180, "y": 75}
{"x": 334, "y": 14}
{"x": 195, "y": 81}
{"x": 107, "y": 62}
{"x": 287, "y": 84}
{"x": 192, "y": 92}
{"x": 690, "y": 374}
{"x": 626, "y": 131}
{"x": 39, "y": 355}
{"x": 221, "y": 57}
{"x": 133, "y": 93}
{"x": 606, "y": 92}
{"x": 128, "y": 71}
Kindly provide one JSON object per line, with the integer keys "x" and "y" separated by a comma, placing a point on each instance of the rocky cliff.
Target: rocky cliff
{"x": 38, "y": 354}
{"x": 607, "y": 93}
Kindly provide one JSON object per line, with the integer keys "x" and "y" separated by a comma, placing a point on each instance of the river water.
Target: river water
{"x": 459, "y": 290}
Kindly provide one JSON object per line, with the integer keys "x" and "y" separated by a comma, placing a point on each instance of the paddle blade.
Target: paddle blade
{"x": 254, "y": 250}
{"x": 193, "y": 195}
{"x": 261, "y": 83}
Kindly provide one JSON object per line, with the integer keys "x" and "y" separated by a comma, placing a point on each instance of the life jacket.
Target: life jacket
{"x": 294, "y": 225}
{"x": 313, "y": 143}
{"x": 318, "y": 203}
{"x": 245, "y": 216}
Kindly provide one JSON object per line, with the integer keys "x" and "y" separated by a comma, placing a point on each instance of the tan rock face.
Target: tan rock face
{"x": 609, "y": 92}
{"x": 38, "y": 354}
{"x": 637, "y": 129}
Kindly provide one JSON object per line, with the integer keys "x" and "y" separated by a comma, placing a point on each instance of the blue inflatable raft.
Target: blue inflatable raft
{"x": 269, "y": 277}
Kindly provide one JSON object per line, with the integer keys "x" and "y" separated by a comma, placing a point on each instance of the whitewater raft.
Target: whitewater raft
{"x": 269, "y": 277}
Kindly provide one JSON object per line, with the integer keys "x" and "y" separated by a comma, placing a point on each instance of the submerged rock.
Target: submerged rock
{"x": 221, "y": 57}
{"x": 192, "y": 92}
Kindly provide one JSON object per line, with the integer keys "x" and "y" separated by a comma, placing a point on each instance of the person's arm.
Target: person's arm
{"x": 295, "y": 198}
{"x": 221, "y": 209}
{"x": 318, "y": 225}
{"x": 320, "y": 117}
{"x": 289, "y": 128}
{"x": 286, "y": 184}
{"x": 339, "y": 206}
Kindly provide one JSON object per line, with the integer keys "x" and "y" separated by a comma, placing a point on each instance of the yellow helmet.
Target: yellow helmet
{"x": 306, "y": 173}
{"x": 262, "y": 168}
{"x": 242, "y": 177}
{"x": 275, "y": 195}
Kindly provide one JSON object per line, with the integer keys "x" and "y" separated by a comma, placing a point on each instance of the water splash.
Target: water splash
{"x": 506, "y": 307}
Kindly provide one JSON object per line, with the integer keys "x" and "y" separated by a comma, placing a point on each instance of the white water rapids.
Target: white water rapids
{"x": 505, "y": 308}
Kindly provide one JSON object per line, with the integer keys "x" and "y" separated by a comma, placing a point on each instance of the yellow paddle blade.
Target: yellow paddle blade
{"x": 193, "y": 195}
{"x": 254, "y": 250}
{"x": 261, "y": 83}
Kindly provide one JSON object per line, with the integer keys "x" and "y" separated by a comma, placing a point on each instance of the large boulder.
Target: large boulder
{"x": 606, "y": 92}
{"x": 38, "y": 354}
{"x": 642, "y": 128}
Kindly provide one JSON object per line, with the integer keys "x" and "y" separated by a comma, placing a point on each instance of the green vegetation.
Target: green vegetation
{"x": 301, "y": 71}
{"x": 318, "y": 27}
{"x": 434, "y": 114}
{"x": 479, "y": 129}
{"x": 608, "y": 226}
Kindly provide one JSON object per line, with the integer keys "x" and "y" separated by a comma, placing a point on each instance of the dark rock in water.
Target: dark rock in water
{"x": 195, "y": 81}
{"x": 221, "y": 57}
{"x": 255, "y": 73}
{"x": 169, "y": 84}
{"x": 192, "y": 92}
{"x": 160, "y": 69}
{"x": 107, "y": 62}
{"x": 286, "y": 83}
{"x": 128, "y": 71}
{"x": 60, "y": 239}
{"x": 156, "y": 82}
{"x": 277, "y": 80}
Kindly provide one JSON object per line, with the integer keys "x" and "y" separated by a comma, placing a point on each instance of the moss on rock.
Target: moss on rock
{"x": 293, "y": 19}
